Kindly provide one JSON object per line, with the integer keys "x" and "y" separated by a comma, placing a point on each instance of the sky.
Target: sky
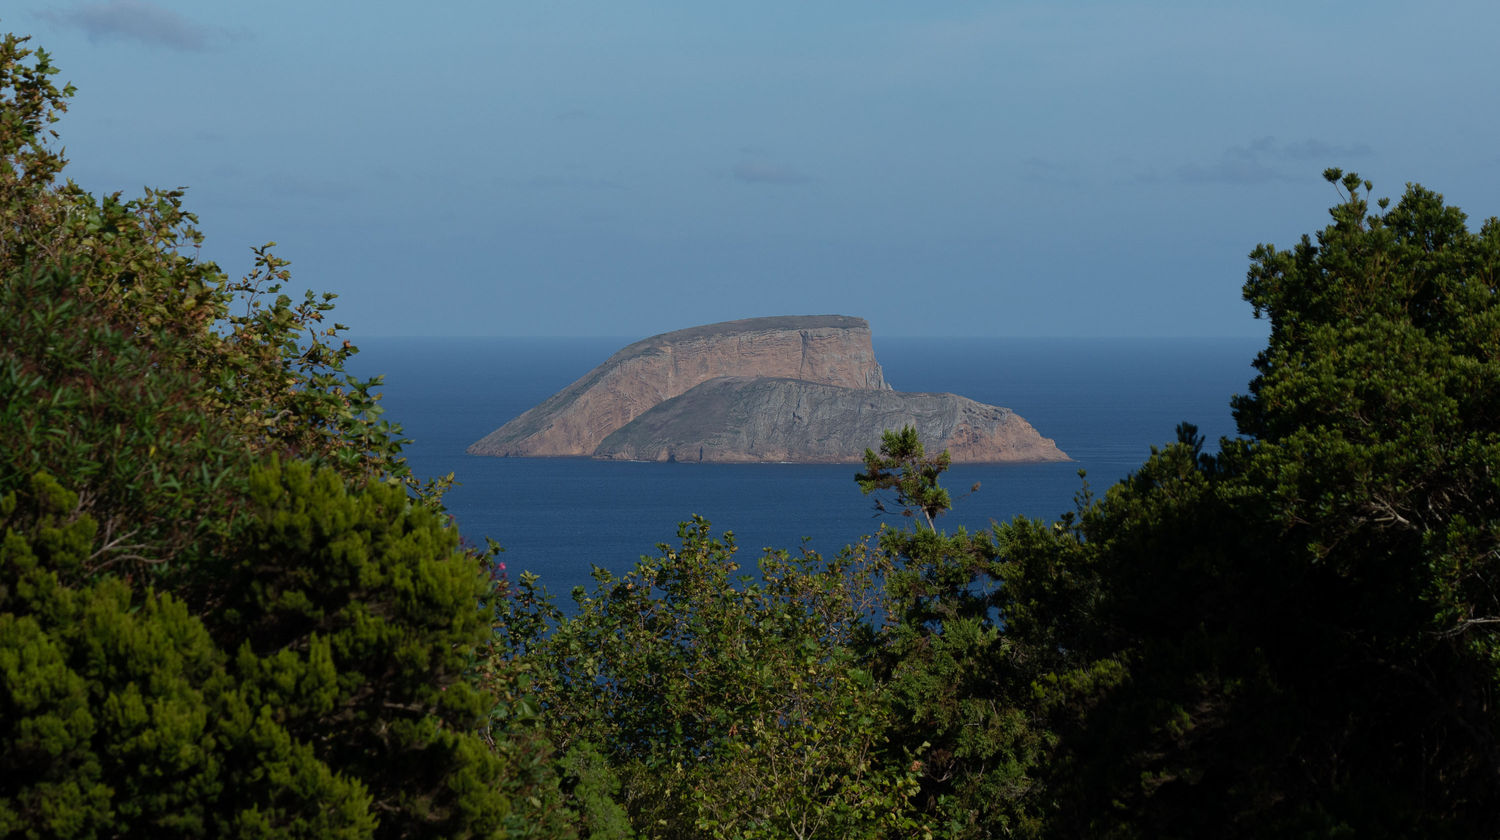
{"x": 568, "y": 168}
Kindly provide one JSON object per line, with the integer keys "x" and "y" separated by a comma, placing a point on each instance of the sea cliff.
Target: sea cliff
{"x": 792, "y": 388}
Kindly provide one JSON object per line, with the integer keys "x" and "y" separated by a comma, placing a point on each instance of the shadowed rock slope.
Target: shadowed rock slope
{"x": 795, "y": 388}
{"x": 772, "y": 419}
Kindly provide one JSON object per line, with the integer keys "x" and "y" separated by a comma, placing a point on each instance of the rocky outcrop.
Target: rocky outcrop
{"x": 828, "y": 349}
{"x": 741, "y": 419}
{"x": 796, "y": 388}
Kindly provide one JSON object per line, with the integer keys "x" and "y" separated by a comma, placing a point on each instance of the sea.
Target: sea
{"x": 1105, "y": 401}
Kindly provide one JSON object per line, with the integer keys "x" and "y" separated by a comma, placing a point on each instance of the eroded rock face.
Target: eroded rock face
{"x": 742, "y": 419}
{"x": 796, "y": 388}
{"x": 828, "y": 349}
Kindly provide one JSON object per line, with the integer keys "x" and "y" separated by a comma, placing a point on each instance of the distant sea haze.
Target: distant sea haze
{"x": 1105, "y": 402}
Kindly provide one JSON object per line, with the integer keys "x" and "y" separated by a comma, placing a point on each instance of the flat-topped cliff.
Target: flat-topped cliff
{"x": 793, "y": 388}
{"x": 828, "y": 349}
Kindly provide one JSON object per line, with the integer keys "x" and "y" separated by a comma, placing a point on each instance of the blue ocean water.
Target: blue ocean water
{"x": 1105, "y": 402}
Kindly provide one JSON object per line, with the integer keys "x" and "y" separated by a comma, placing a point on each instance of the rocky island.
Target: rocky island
{"x": 793, "y": 388}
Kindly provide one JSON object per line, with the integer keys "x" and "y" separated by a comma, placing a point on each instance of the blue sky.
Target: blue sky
{"x": 622, "y": 169}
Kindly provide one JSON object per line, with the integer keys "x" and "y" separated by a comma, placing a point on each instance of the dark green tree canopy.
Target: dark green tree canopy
{"x": 1302, "y": 625}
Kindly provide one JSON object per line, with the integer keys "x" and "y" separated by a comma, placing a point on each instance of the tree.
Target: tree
{"x": 353, "y": 613}
{"x": 728, "y": 706}
{"x": 1296, "y": 635}
{"x": 121, "y": 716}
{"x": 260, "y": 369}
{"x": 226, "y": 609}
{"x": 956, "y": 682}
{"x": 903, "y": 467}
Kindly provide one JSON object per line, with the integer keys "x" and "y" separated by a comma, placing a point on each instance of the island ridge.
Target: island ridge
{"x": 789, "y": 388}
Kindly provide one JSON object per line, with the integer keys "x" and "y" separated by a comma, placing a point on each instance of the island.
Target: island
{"x": 801, "y": 389}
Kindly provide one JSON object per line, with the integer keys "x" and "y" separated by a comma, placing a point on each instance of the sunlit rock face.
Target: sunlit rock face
{"x": 794, "y": 388}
